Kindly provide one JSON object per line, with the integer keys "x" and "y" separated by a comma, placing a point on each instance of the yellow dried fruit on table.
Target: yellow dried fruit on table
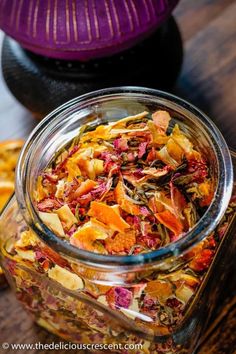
{"x": 6, "y": 190}
{"x": 9, "y": 153}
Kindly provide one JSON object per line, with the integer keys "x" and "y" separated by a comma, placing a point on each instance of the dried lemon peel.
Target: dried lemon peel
{"x": 66, "y": 215}
{"x": 121, "y": 123}
{"x": 72, "y": 169}
{"x": 84, "y": 188}
{"x": 53, "y": 222}
{"x": 67, "y": 279}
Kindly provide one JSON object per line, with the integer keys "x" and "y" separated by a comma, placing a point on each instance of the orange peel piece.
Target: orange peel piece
{"x": 84, "y": 188}
{"x": 87, "y": 234}
{"x": 160, "y": 289}
{"x": 170, "y": 221}
{"x": 123, "y": 201}
{"x": 109, "y": 215}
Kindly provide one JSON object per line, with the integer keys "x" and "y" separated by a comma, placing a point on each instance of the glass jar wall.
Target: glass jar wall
{"x": 168, "y": 294}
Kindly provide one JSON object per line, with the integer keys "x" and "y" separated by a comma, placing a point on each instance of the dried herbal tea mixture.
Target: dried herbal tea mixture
{"x": 125, "y": 188}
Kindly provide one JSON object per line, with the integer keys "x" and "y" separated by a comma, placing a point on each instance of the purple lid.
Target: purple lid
{"x": 81, "y": 29}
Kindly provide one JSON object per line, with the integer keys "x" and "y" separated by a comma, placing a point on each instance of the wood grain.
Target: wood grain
{"x": 208, "y": 79}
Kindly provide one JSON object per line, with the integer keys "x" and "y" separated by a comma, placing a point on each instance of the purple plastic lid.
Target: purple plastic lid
{"x": 81, "y": 29}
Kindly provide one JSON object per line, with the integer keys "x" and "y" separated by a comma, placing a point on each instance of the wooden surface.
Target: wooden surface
{"x": 208, "y": 79}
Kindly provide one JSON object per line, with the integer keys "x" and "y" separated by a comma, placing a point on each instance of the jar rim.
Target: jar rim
{"x": 203, "y": 227}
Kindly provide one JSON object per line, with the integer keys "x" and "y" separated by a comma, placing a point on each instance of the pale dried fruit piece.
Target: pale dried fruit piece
{"x": 27, "y": 255}
{"x": 125, "y": 131}
{"x": 66, "y": 215}
{"x": 164, "y": 156}
{"x": 151, "y": 171}
{"x": 60, "y": 189}
{"x": 133, "y": 312}
{"x": 161, "y": 119}
{"x": 27, "y": 238}
{"x": 65, "y": 278}
{"x": 187, "y": 279}
{"x": 121, "y": 123}
{"x": 73, "y": 170}
{"x": 53, "y": 222}
{"x": 184, "y": 293}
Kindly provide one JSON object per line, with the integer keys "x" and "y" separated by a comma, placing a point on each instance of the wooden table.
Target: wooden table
{"x": 208, "y": 79}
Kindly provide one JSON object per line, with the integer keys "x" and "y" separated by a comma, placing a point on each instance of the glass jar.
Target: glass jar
{"x": 65, "y": 288}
